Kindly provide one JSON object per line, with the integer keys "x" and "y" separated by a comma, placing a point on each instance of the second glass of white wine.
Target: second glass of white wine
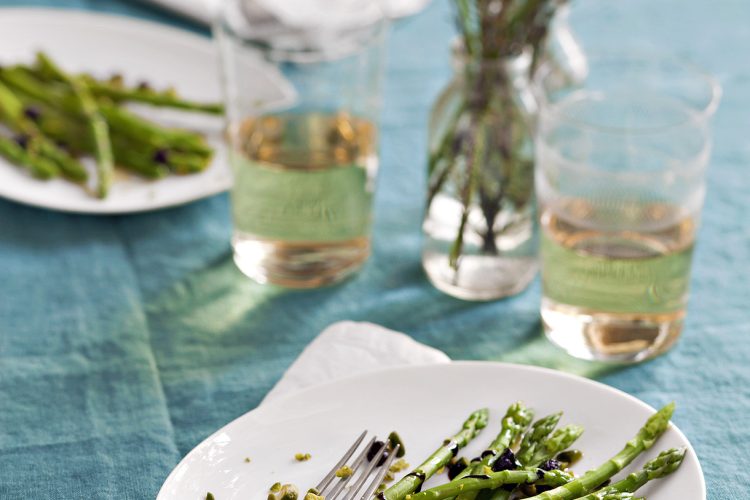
{"x": 621, "y": 159}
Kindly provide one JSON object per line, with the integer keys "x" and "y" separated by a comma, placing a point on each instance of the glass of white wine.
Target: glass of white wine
{"x": 302, "y": 80}
{"x": 621, "y": 159}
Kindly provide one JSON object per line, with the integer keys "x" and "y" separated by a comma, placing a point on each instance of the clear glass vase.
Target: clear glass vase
{"x": 479, "y": 227}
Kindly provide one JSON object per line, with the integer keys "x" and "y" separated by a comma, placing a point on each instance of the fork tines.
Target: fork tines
{"x": 367, "y": 473}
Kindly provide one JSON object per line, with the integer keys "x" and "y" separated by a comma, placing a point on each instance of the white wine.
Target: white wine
{"x": 615, "y": 291}
{"x": 302, "y": 196}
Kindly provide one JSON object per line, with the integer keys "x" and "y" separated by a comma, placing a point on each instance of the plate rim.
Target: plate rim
{"x": 116, "y": 16}
{"x": 168, "y": 34}
{"x": 458, "y": 363}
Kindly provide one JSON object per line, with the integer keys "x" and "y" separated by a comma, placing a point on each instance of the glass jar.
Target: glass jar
{"x": 479, "y": 228}
{"x": 303, "y": 85}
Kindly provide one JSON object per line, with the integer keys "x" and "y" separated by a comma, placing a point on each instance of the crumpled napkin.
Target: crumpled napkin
{"x": 349, "y": 348}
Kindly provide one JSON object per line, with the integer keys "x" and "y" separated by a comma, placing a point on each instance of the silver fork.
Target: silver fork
{"x": 367, "y": 476}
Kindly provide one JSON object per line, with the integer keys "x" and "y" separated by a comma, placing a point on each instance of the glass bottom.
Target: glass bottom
{"x": 298, "y": 264}
{"x": 612, "y": 337}
{"x": 479, "y": 277}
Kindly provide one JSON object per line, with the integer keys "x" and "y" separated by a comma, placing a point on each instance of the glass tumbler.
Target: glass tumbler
{"x": 621, "y": 159}
{"x": 302, "y": 86}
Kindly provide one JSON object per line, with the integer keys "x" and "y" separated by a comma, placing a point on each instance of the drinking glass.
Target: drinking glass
{"x": 303, "y": 82}
{"x": 621, "y": 159}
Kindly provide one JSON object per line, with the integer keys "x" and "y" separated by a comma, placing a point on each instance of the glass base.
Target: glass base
{"x": 480, "y": 277}
{"x": 299, "y": 264}
{"x": 612, "y": 337}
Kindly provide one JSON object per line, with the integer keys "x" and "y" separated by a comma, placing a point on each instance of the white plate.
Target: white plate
{"x": 424, "y": 404}
{"x": 102, "y": 45}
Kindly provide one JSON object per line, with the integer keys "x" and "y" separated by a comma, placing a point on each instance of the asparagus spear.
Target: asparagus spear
{"x": 647, "y": 435}
{"x": 38, "y": 166}
{"x": 535, "y": 437}
{"x": 666, "y": 463}
{"x": 96, "y": 124}
{"x": 13, "y": 114}
{"x": 414, "y": 480}
{"x": 494, "y": 480}
{"x": 141, "y": 129}
{"x": 99, "y": 131}
{"x": 560, "y": 440}
{"x": 535, "y": 449}
{"x": 167, "y": 98}
{"x": 514, "y": 423}
{"x": 620, "y": 496}
{"x": 516, "y": 419}
{"x": 117, "y": 92}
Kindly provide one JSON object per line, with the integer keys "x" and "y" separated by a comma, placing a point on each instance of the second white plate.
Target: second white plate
{"x": 141, "y": 51}
{"x": 424, "y": 404}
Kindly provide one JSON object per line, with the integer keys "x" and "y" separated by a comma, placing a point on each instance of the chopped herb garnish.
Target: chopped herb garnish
{"x": 399, "y": 465}
{"x": 285, "y": 492}
{"x": 344, "y": 472}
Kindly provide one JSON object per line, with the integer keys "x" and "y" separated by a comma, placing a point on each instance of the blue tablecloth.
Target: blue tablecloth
{"x": 124, "y": 341}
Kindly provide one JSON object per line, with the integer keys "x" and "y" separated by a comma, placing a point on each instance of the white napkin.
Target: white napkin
{"x": 349, "y": 348}
{"x": 203, "y": 10}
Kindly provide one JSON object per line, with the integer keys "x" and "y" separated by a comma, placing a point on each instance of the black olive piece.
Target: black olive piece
{"x": 32, "y": 113}
{"x": 456, "y": 467}
{"x": 374, "y": 449}
{"x": 22, "y": 140}
{"x": 551, "y": 464}
{"x": 162, "y": 156}
{"x": 506, "y": 461}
